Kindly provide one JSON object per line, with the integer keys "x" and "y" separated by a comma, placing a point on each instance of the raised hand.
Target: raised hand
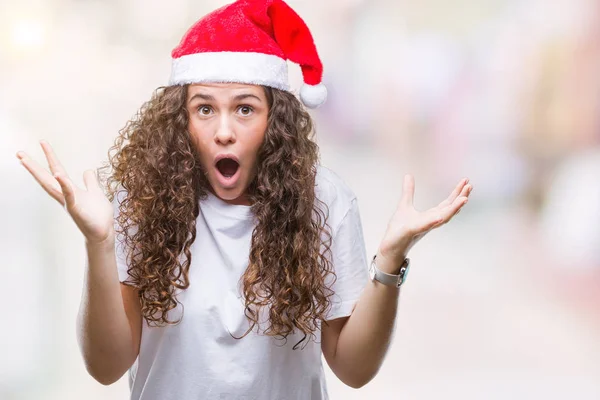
{"x": 90, "y": 209}
{"x": 408, "y": 225}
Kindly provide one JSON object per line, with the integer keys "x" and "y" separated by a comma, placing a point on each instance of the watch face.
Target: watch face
{"x": 404, "y": 272}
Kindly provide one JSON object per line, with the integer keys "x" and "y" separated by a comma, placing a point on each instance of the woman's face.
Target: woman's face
{"x": 228, "y": 119}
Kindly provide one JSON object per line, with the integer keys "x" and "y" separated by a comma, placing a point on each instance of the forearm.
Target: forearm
{"x": 366, "y": 336}
{"x": 103, "y": 330}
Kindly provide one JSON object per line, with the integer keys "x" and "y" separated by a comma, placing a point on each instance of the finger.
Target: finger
{"x": 42, "y": 176}
{"x": 466, "y": 190}
{"x": 91, "y": 181}
{"x": 455, "y": 193}
{"x": 452, "y": 210}
{"x": 436, "y": 221}
{"x": 67, "y": 188}
{"x": 55, "y": 165}
{"x": 458, "y": 203}
{"x": 408, "y": 190}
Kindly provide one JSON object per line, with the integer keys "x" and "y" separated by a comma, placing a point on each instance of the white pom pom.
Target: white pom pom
{"x": 313, "y": 95}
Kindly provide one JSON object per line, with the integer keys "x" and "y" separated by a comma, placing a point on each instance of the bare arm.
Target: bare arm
{"x": 109, "y": 318}
{"x": 355, "y": 346}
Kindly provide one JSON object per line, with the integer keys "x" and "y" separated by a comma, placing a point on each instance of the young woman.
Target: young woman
{"x": 226, "y": 260}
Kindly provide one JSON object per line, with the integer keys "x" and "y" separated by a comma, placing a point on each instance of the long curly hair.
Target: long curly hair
{"x": 157, "y": 164}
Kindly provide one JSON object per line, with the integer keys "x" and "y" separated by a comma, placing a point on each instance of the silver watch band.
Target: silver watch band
{"x": 389, "y": 279}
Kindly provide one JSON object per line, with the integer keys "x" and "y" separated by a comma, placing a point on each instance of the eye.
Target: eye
{"x": 246, "y": 110}
{"x": 202, "y": 109}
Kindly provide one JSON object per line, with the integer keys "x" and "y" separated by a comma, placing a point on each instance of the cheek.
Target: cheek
{"x": 253, "y": 144}
{"x": 198, "y": 137}
{"x": 260, "y": 133}
{"x": 254, "y": 147}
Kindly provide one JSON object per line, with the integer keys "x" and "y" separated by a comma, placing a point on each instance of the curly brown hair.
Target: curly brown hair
{"x": 157, "y": 164}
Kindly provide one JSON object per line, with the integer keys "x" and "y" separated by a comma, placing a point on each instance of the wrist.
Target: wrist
{"x": 106, "y": 243}
{"x": 389, "y": 263}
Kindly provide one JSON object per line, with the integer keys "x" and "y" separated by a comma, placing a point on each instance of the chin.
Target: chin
{"x": 233, "y": 196}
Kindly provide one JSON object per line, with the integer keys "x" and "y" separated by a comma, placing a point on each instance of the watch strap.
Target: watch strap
{"x": 390, "y": 279}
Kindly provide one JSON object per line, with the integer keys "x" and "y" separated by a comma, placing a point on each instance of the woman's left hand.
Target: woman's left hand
{"x": 408, "y": 225}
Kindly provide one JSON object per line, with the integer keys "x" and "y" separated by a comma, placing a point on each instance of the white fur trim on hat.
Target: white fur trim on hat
{"x": 228, "y": 66}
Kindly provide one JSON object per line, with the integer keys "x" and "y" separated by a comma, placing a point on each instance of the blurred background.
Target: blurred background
{"x": 503, "y": 302}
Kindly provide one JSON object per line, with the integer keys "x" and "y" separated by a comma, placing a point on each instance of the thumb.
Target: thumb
{"x": 91, "y": 180}
{"x": 408, "y": 190}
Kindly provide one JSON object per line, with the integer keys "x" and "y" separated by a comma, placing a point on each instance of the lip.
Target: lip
{"x": 232, "y": 180}
{"x": 226, "y": 155}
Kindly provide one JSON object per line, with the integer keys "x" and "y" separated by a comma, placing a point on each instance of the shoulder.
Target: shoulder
{"x": 331, "y": 189}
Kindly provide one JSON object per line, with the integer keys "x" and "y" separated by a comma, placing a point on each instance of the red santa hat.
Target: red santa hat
{"x": 250, "y": 41}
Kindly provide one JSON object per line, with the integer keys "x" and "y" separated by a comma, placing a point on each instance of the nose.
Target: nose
{"x": 224, "y": 133}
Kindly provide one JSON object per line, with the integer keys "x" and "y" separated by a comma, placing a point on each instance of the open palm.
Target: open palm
{"x": 91, "y": 211}
{"x": 407, "y": 226}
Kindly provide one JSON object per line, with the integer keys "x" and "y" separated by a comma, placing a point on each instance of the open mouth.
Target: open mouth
{"x": 227, "y": 167}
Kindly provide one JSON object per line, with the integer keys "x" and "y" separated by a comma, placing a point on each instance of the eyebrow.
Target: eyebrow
{"x": 209, "y": 97}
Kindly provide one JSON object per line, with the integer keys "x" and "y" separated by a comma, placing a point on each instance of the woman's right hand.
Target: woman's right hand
{"x": 90, "y": 209}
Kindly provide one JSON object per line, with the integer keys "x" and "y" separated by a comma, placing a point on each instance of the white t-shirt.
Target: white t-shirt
{"x": 198, "y": 359}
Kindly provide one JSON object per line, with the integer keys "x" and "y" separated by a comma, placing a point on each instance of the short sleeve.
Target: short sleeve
{"x": 349, "y": 256}
{"x": 121, "y": 251}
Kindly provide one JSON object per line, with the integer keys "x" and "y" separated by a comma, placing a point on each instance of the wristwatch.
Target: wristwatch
{"x": 389, "y": 279}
